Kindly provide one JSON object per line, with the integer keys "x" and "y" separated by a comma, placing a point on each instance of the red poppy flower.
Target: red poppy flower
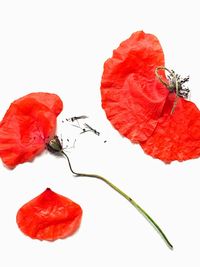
{"x": 132, "y": 96}
{"x": 28, "y": 123}
{"x": 49, "y": 216}
{"x": 140, "y": 106}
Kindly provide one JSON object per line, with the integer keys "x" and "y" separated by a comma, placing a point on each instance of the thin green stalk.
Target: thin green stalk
{"x": 141, "y": 210}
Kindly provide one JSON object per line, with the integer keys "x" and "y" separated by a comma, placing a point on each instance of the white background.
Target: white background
{"x": 60, "y": 46}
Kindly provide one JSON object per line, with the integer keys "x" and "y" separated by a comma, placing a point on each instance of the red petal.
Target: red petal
{"x": 49, "y": 216}
{"x": 132, "y": 97}
{"x": 26, "y": 126}
{"x": 177, "y": 136}
{"x": 52, "y": 101}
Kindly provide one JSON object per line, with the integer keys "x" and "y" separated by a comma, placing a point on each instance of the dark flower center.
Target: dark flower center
{"x": 176, "y": 80}
{"x": 175, "y": 83}
{"x": 54, "y": 145}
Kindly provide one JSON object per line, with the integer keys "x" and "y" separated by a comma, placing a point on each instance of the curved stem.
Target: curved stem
{"x": 141, "y": 210}
{"x": 159, "y": 77}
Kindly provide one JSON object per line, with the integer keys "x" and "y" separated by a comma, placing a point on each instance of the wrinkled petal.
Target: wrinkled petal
{"x": 52, "y": 101}
{"x": 28, "y": 123}
{"x": 49, "y": 216}
{"x": 132, "y": 97}
{"x": 177, "y": 135}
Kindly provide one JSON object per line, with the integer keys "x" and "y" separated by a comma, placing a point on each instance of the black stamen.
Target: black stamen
{"x": 182, "y": 90}
{"x": 92, "y": 129}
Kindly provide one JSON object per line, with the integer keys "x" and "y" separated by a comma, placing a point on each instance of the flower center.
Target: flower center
{"x": 54, "y": 145}
{"x": 175, "y": 84}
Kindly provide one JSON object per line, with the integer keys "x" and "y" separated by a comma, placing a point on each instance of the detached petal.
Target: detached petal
{"x": 28, "y": 123}
{"x": 132, "y": 97}
{"x": 177, "y": 136}
{"x": 49, "y": 216}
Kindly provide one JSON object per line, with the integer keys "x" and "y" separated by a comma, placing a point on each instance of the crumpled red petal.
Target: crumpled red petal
{"x": 177, "y": 135}
{"x": 49, "y": 216}
{"x": 132, "y": 97}
{"x": 28, "y": 123}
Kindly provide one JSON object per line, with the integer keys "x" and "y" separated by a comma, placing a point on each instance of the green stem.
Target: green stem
{"x": 141, "y": 210}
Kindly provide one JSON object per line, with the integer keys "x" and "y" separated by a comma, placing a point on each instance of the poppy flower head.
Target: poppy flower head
{"x": 147, "y": 106}
{"x": 28, "y": 123}
{"x": 49, "y": 216}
